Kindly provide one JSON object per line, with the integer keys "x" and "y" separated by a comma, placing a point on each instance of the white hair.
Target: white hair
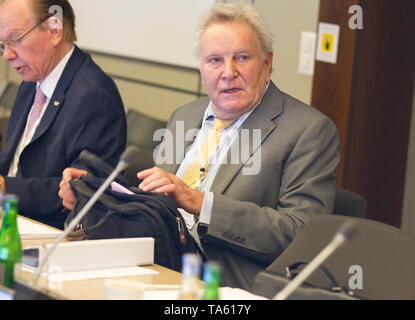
{"x": 227, "y": 12}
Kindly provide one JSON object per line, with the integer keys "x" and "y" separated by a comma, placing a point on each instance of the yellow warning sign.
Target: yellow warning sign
{"x": 327, "y": 43}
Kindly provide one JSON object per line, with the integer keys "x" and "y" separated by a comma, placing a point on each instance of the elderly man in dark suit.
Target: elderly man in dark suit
{"x": 65, "y": 104}
{"x": 248, "y": 165}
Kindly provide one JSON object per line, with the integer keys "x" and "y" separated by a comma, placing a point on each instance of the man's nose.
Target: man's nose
{"x": 230, "y": 70}
{"x": 9, "y": 54}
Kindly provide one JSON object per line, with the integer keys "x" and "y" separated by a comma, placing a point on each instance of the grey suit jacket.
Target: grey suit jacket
{"x": 256, "y": 216}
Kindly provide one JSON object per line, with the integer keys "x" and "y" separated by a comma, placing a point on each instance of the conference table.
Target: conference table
{"x": 93, "y": 289}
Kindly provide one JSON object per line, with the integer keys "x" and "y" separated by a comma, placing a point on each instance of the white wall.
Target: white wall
{"x": 286, "y": 19}
{"x": 157, "y": 30}
{"x": 163, "y": 31}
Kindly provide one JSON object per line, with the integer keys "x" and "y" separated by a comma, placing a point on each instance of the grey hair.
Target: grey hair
{"x": 228, "y": 12}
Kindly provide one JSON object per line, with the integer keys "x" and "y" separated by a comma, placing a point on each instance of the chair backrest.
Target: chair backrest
{"x": 348, "y": 203}
{"x": 384, "y": 255}
{"x": 140, "y": 130}
{"x": 8, "y": 92}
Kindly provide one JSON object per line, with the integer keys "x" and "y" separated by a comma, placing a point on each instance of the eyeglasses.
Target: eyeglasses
{"x": 14, "y": 43}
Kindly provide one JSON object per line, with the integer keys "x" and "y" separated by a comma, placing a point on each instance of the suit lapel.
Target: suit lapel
{"x": 182, "y": 132}
{"x": 58, "y": 97}
{"x": 261, "y": 118}
{"x": 194, "y": 122}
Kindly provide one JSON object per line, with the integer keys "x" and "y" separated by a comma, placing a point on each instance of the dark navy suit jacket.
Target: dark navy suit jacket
{"x": 85, "y": 112}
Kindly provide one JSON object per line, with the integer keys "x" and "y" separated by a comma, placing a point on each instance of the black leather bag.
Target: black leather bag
{"x": 120, "y": 215}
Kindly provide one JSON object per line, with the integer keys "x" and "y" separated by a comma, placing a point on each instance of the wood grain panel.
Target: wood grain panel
{"x": 368, "y": 94}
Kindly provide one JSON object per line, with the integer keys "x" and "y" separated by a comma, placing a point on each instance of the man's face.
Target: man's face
{"x": 233, "y": 68}
{"x": 32, "y": 58}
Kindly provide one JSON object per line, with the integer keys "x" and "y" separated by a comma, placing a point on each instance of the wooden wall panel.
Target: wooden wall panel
{"x": 370, "y": 100}
{"x": 332, "y": 83}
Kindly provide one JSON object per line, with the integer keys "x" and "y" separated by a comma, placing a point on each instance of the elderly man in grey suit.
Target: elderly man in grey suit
{"x": 249, "y": 191}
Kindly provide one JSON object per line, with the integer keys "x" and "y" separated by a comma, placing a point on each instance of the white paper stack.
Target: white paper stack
{"x": 31, "y": 230}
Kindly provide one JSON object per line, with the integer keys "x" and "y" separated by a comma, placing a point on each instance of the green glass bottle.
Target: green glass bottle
{"x": 10, "y": 244}
{"x": 212, "y": 279}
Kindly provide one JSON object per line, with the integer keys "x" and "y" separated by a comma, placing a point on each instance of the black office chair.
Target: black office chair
{"x": 8, "y": 95}
{"x": 385, "y": 254}
{"x": 348, "y": 203}
{"x": 7, "y": 98}
{"x": 140, "y": 130}
{"x": 4, "y": 124}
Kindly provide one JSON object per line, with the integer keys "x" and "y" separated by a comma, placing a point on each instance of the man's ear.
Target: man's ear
{"x": 201, "y": 73}
{"x": 268, "y": 63}
{"x": 55, "y": 28}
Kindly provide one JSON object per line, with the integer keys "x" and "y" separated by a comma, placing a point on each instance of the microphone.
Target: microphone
{"x": 126, "y": 159}
{"x": 343, "y": 234}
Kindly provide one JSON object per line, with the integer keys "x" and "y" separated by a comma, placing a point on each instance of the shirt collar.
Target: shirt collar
{"x": 49, "y": 84}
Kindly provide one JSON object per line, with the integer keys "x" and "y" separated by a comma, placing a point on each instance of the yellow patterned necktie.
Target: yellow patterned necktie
{"x": 194, "y": 173}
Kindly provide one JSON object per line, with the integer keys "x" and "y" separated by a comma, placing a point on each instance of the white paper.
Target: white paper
{"x": 31, "y": 230}
{"x": 95, "y": 274}
{"x": 225, "y": 293}
{"x": 106, "y": 273}
{"x": 119, "y": 188}
{"x": 161, "y": 295}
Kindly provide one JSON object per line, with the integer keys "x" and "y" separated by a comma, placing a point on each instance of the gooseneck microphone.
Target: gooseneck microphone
{"x": 126, "y": 159}
{"x": 345, "y": 232}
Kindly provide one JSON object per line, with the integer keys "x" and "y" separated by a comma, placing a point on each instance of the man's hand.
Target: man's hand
{"x": 159, "y": 181}
{"x": 2, "y": 185}
{"x": 65, "y": 191}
